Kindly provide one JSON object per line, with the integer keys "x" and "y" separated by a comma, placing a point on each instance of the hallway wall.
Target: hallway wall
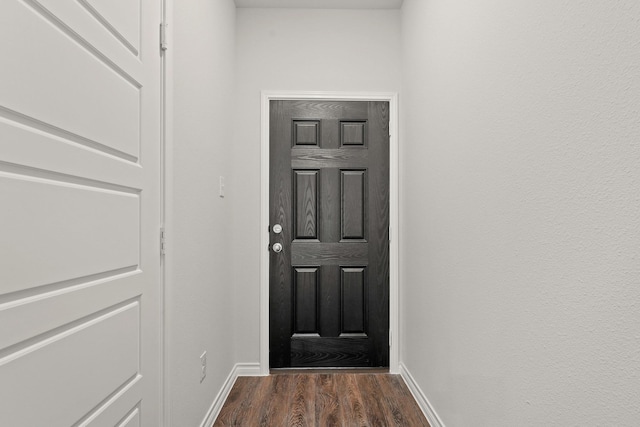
{"x": 293, "y": 49}
{"x": 520, "y": 210}
{"x": 200, "y": 292}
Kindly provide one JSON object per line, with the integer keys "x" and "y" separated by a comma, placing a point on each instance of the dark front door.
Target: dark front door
{"x": 329, "y": 224}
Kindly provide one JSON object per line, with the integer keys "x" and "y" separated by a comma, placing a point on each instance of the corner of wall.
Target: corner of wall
{"x": 424, "y": 403}
{"x": 239, "y": 370}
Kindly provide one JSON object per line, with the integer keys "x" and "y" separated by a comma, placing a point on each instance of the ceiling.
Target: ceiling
{"x": 322, "y": 4}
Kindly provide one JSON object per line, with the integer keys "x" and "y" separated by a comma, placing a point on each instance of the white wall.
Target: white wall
{"x": 289, "y": 49}
{"x": 200, "y": 293}
{"x": 520, "y": 252}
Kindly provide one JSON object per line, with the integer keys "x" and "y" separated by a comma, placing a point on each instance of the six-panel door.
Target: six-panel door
{"x": 329, "y": 190}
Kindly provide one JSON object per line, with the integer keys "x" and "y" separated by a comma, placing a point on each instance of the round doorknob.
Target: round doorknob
{"x": 277, "y": 247}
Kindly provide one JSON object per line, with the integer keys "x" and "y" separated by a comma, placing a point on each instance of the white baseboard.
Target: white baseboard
{"x": 238, "y": 370}
{"x": 248, "y": 370}
{"x": 418, "y": 394}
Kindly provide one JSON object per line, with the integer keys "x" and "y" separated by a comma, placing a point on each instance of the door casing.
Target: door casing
{"x": 392, "y": 98}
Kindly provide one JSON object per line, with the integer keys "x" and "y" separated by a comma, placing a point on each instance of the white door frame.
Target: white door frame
{"x": 390, "y": 97}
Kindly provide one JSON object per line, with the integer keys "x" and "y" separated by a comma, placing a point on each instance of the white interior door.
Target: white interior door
{"x": 80, "y": 291}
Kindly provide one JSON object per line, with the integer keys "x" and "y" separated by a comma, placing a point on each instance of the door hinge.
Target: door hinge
{"x": 390, "y": 340}
{"x": 163, "y": 37}
{"x": 163, "y": 241}
{"x": 389, "y": 233}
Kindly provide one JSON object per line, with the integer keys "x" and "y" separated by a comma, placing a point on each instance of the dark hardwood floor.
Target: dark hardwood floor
{"x": 321, "y": 400}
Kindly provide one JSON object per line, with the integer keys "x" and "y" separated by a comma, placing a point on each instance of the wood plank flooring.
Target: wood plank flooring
{"x": 321, "y": 400}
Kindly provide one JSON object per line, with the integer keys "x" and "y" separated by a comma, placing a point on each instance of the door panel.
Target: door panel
{"x": 100, "y": 233}
{"x": 120, "y": 17}
{"x": 80, "y": 307}
{"x": 353, "y": 202}
{"x": 329, "y": 287}
{"x": 305, "y": 204}
{"x": 50, "y": 363}
{"x": 59, "y": 97}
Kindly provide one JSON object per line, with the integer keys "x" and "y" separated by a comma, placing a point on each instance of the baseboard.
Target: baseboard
{"x": 216, "y": 406}
{"x": 418, "y": 394}
{"x": 248, "y": 369}
{"x": 238, "y": 370}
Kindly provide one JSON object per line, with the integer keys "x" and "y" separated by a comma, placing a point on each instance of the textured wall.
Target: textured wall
{"x": 288, "y": 49}
{"x": 520, "y": 250}
{"x": 199, "y": 298}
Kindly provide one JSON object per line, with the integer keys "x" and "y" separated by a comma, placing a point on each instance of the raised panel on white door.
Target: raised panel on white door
{"x": 64, "y": 84}
{"x": 111, "y": 413}
{"x": 122, "y": 17}
{"x": 68, "y": 375}
{"x": 132, "y": 419}
{"x": 43, "y": 150}
{"x": 45, "y": 311}
{"x": 62, "y": 231}
{"x": 86, "y": 27}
